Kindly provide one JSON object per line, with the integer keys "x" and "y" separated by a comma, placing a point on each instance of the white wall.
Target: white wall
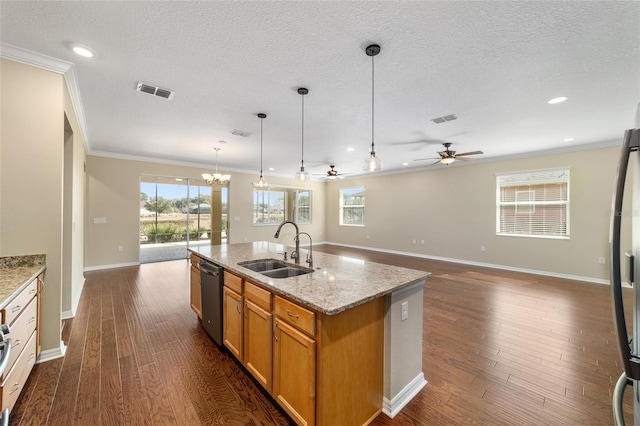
{"x": 453, "y": 209}
{"x": 114, "y": 194}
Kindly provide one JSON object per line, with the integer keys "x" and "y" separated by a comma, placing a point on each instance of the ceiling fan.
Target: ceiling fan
{"x": 332, "y": 174}
{"x": 448, "y": 156}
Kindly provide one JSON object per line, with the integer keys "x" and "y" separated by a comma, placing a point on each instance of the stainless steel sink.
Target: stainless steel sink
{"x": 261, "y": 265}
{"x": 274, "y": 268}
{"x": 287, "y": 272}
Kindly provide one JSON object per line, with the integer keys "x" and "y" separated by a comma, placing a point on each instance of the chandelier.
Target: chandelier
{"x": 217, "y": 178}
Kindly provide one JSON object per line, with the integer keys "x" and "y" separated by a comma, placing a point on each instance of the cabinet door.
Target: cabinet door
{"x": 196, "y": 295}
{"x": 232, "y": 322}
{"x": 294, "y": 372}
{"x": 258, "y": 343}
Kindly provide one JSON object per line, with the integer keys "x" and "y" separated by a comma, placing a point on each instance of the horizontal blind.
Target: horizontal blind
{"x": 534, "y": 203}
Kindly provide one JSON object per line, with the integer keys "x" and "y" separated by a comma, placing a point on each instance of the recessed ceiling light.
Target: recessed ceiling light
{"x": 569, "y": 139}
{"x": 351, "y": 149}
{"x": 405, "y": 164}
{"x": 557, "y": 100}
{"x": 222, "y": 141}
{"x": 271, "y": 169}
{"x": 83, "y": 51}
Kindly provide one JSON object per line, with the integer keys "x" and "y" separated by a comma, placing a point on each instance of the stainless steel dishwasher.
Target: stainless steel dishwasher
{"x": 211, "y": 282}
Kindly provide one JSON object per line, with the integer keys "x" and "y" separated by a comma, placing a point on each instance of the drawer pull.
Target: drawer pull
{"x": 16, "y": 308}
{"x": 292, "y": 315}
{"x": 16, "y": 342}
{"x": 16, "y": 386}
{"x": 32, "y": 320}
{"x": 32, "y": 291}
{"x": 32, "y": 355}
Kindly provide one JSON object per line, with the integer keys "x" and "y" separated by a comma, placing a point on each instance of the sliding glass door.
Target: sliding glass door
{"x": 176, "y": 213}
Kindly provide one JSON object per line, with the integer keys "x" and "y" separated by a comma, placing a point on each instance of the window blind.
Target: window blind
{"x": 533, "y": 203}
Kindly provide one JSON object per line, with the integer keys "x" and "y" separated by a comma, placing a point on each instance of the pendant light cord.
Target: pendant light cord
{"x": 373, "y": 152}
{"x": 302, "y": 159}
{"x": 261, "y": 119}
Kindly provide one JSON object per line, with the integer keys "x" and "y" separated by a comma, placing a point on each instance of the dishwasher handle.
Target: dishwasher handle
{"x": 208, "y": 268}
{"x": 6, "y": 354}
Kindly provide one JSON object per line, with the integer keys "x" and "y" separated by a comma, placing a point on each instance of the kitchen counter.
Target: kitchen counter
{"x": 338, "y": 283}
{"x": 16, "y": 272}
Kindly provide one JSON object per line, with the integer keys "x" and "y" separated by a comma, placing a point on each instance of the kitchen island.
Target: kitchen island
{"x": 334, "y": 346}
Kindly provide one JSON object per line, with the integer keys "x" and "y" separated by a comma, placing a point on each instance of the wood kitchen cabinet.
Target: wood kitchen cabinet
{"x": 196, "y": 295}
{"x": 232, "y": 315}
{"x": 294, "y": 369}
{"x": 258, "y": 323}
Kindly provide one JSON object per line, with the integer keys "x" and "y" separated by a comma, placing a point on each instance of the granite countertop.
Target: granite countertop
{"x": 337, "y": 284}
{"x": 16, "y": 272}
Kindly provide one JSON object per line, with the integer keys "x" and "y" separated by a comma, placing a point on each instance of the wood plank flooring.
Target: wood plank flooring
{"x": 499, "y": 348}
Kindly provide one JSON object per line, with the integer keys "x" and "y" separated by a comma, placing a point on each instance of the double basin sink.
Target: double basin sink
{"x": 275, "y": 268}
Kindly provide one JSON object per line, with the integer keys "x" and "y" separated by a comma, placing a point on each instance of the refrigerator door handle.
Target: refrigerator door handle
{"x": 618, "y": 394}
{"x": 631, "y": 142}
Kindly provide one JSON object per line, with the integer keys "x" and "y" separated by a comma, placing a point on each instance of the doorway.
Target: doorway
{"x": 178, "y": 213}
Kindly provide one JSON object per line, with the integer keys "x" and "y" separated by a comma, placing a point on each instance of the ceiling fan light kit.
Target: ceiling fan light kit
{"x": 261, "y": 182}
{"x": 302, "y": 175}
{"x": 372, "y": 163}
{"x": 216, "y": 177}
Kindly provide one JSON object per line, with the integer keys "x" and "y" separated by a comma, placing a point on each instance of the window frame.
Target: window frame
{"x": 341, "y": 206}
{"x": 529, "y": 182}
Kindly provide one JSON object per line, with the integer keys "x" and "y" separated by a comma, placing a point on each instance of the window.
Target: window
{"x": 533, "y": 204}
{"x": 352, "y": 206}
{"x": 275, "y": 204}
{"x": 268, "y": 205}
{"x": 302, "y": 206}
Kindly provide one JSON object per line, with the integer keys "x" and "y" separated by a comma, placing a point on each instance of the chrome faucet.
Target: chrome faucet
{"x": 310, "y": 254}
{"x": 296, "y": 254}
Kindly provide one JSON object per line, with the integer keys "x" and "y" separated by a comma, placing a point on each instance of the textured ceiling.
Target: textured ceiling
{"x": 493, "y": 64}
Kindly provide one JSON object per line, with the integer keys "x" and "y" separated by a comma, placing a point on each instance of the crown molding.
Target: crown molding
{"x": 59, "y": 66}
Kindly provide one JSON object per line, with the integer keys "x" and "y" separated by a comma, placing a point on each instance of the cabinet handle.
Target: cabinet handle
{"x": 32, "y": 355}
{"x": 239, "y": 306}
{"x": 275, "y": 329}
{"x": 16, "y": 343}
{"x": 16, "y": 308}
{"x": 16, "y": 386}
{"x": 292, "y": 315}
{"x": 32, "y": 320}
{"x": 32, "y": 291}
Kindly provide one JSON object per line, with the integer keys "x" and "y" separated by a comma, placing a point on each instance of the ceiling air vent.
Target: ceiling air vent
{"x": 240, "y": 133}
{"x": 154, "y": 90}
{"x": 444, "y": 119}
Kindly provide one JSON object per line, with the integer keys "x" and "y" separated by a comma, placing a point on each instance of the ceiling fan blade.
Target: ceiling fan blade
{"x": 464, "y": 159}
{"x": 469, "y": 153}
{"x": 430, "y": 158}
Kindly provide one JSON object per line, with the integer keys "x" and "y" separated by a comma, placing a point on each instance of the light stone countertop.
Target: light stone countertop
{"x": 16, "y": 272}
{"x": 337, "y": 284}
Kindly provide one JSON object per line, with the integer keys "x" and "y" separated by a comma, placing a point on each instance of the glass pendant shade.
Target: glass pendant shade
{"x": 216, "y": 177}
{"x": 261, "y": 182}
{"x": 372, "y": 163}
{"x": 302, "y": 175}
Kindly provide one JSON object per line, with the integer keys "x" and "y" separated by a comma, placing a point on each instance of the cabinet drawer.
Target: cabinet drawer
{"x": 18, "y": 375}
{"x": 21, "y": 330}
{"x": 13, "y": 309}
{"x": 258, "y": 295}
{"x": 296, "y": 315}
{"x": 233, "y": 282}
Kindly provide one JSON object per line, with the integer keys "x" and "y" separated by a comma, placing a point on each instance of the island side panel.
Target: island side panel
{"x": 403, "y": 375}
{"x": 350, "y": 365}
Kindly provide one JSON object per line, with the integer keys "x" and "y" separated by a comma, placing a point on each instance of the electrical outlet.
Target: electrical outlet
{"x": 483, "y": 248}
{"x": 119, "y": 248}
{"x": 405, "y": 311}
{"x": 367, "y": 236}
{"x": 601, "y": 260}
{"x": 422, "y": 242}
{"x": 414, "y": 241}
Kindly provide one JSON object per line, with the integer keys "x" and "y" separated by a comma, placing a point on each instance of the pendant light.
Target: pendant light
{"x": 218, "y": 178}
{"x": 261, "y": 183}
{"x": 372, "y": 163}
{"x": 301, "y": 175}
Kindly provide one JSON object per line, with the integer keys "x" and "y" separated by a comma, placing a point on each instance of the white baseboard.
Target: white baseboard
{"x": 114, "y": 265}
{"x": 51, "y": 354}
{"x": 393, "y": 406}
{"x": 481, "y": 264}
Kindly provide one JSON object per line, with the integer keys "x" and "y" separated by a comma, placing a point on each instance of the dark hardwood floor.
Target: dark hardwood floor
{"x": 500, "y": 348}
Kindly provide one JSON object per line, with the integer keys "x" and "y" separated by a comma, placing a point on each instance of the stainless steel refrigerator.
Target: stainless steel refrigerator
{"x": 620, "y": 227}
